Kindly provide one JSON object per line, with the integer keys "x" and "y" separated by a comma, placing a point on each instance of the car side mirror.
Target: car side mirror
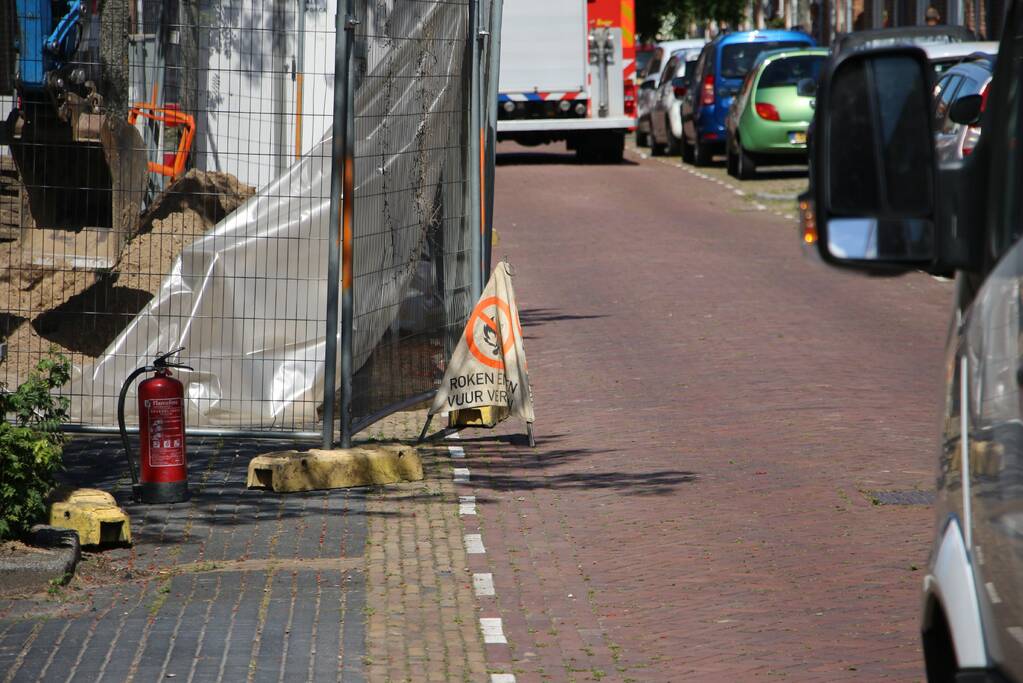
{"x": 806, "y": 87}
{"x": 875, "y": 171}
{"x": 967, "y": 110}
{"x": 648, "y": 85}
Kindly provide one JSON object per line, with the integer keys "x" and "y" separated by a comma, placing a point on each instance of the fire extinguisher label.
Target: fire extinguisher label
{"x": 166, "y": 432}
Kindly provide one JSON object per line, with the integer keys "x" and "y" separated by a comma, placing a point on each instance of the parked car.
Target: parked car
{"x": 644, "y": 52}
{"x": 666, "y": 115}
{"x": 883, "y": 204}
{"x": 769, "y": 117}
{"x": 944, "y": 57}
{"x": 972, "y": 76}
{"x": 722, "y": 66}
{"x": 650, "y": 80}
{"x": 921, "y": 36}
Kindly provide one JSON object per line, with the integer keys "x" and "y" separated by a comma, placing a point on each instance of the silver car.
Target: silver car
{"x": 666, "y": 112}
{"x": 954, "y": 141}
{"x": 649, "y": 82}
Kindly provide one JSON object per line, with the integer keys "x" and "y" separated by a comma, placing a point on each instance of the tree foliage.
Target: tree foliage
{"x": 666, "y": 19}
{"x": 31, "y": 444}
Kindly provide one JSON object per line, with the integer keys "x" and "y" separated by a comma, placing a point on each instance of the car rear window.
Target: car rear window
{"x": 788, "y": 71}
{"x": 737, "y": 59}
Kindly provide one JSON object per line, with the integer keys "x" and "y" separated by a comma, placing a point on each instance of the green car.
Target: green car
{"x": 767, "y": 122}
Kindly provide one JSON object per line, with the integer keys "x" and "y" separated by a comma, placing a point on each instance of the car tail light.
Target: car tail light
{"x": 680, "y": 91}
{"x": 707, "y": 95}
{"x": 767, "y": 111}
{"x": 630, "y": 99}
{"x": 973, "y": 132}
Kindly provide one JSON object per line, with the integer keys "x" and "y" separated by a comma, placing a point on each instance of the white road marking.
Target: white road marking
{"x": 467, "y": 505}
{"x": 461, "y": 475}
{"x": 493, "y": 631}
{"x": 483, "y": 584}
{"x": 456, "y": 451}
{"x": 474, "y": 544}
{"x": 502, "y": 678}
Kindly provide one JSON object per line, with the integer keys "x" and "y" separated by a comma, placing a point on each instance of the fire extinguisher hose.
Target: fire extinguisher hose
{"x": 120, "y": 421}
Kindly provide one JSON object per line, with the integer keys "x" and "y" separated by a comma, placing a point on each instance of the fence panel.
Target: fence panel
{"x": 412, "y": 251}
{"x": 174, "y": 190}
{"x": 222, "y": 246}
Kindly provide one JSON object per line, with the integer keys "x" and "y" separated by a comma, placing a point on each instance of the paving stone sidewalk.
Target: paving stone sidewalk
{"x": 238, "y": 585}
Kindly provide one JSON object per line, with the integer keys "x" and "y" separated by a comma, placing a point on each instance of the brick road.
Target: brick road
{"x": 712, "y": 413}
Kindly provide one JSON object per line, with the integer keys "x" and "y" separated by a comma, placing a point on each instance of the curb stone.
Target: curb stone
{"x": 34, "y": 572}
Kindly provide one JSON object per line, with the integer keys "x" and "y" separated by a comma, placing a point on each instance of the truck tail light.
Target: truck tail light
{"x": 630, "y": 98}
{"x": 767, "y": 111}
{"x": 973, "y": 132}
{"x": 707, "y": 92}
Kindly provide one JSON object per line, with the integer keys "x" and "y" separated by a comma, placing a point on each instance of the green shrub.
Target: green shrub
{"x": 31, "y": 444}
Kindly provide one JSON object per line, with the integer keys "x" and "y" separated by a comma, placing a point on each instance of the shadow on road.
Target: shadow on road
{"x": 765, "y": 172}
{"x": 780, "y": 173}
{"x": 219, "y": 498}
{"x": 548, "y": 159}
{"x": 527, "y": 469}
{"x": 538, "y": 316}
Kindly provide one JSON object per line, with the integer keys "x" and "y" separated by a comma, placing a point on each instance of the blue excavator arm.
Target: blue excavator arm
{"x": 42, "y": 46}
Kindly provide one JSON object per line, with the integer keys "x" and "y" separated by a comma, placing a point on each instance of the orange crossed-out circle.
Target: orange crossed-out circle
{"x": 479, "y": 315}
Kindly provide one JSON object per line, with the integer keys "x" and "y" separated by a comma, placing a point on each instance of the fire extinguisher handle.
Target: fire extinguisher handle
{"x": 162, "y": 362}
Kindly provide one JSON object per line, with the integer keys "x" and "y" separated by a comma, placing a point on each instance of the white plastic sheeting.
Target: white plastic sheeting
{"x": 247, "y": 300}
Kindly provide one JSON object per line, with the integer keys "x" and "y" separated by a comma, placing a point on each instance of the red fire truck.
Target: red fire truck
{"x": 567, "y": 71}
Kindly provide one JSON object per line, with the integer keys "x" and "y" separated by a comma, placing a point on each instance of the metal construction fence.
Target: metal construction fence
{"x": 295, "y": 192}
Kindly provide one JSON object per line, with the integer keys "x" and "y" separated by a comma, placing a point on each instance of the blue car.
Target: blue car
{"x": 720, "y": 70}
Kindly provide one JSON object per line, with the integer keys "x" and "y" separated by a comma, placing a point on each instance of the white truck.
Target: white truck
{"x": 567, "y": 74}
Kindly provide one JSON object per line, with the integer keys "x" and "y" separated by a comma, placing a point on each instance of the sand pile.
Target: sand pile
{"x": 81, "y": 310}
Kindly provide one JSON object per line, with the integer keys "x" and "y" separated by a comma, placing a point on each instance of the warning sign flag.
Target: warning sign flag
{"x": 488, "y": 367}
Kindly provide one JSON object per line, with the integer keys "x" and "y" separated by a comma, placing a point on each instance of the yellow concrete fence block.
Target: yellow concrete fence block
{"x": 289, "y": 471}
{"x": 487, "y": 416}
{"x": 93, "y": 514}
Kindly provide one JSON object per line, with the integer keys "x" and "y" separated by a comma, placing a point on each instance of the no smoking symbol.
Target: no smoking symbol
{"x": 489, "y": 332}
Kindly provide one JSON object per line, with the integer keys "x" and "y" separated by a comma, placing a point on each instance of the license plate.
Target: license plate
{"x": 797, "y": 138}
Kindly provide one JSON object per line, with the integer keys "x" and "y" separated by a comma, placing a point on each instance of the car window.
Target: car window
{"x": 940, "y": 87}
{"x": 788, "y": 71}
{"x": 746, "y": 85}
{"x": 701, "y": 68}
{"x": 737, "y": 59}
{"x": 654, "y": 65}
{"x": 642, "y": 59}
{"x": 942, "y": 123}
{"x": 669, "y": 69}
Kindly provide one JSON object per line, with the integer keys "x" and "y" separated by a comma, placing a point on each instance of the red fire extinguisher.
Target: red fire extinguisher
{"x": 162, "y": 476}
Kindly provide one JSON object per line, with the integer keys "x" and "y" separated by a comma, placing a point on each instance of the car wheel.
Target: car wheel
{"x": 701, "y": 153}
{"x": 642, "y": 138}
{"x": 656, "y": 148}
{"x": 687, "y": 150}
{"x": 673, "y": 143}
{"x": 745, "y": 167}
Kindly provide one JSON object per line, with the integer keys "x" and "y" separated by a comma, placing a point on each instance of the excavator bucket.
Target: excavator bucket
{"x": 83, "y": 185}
